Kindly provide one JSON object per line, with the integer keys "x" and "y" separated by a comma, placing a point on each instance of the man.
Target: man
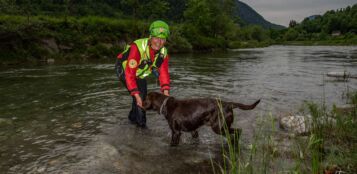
{"x": 139, "y": 60}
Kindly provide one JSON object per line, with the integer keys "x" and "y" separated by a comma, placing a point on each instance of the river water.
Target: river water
{"x": 73, "y": 118}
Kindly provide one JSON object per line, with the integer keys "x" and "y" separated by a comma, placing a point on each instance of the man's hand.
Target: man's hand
{"x": 139, "y": 102}
{"x": 166, "y": 92}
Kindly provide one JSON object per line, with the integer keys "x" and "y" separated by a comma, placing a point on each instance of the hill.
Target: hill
{"x": 250, "y": 16}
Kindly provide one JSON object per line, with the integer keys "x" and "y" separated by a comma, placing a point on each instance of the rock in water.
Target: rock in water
{"x": 297, "y": 124}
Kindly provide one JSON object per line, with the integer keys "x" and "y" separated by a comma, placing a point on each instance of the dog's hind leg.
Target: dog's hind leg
{"x": 232, "y": 134}
{"x": 235, "y": 134}
{"x": 224, "y": 131}
{"x": 225, "y": 128}
{"x": 222, "y": 124}
{"x": 235, "y": 131}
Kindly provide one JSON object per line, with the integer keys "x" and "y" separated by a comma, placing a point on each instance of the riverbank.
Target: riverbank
{"x": 68, "y": 39}
{"x": 331, "y": 42}
{"x": 327, "y": 143}
{"x": 65, "y": 39}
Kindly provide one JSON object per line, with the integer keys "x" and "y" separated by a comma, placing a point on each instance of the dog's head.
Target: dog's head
{"x": 153, "y": 101}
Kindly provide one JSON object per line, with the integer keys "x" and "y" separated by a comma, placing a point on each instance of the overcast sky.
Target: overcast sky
{"x": 282, "y": 11}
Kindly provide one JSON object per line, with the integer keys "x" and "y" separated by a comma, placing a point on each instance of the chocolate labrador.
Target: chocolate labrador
{"x": 188, "y": 115}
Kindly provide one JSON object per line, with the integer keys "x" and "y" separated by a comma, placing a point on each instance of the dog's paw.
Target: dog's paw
{"x": 194, "y": 134}
{"x": 173, "y": 144}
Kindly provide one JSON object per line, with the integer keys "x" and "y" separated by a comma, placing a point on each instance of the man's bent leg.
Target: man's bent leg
{"x": 141, "y": 114}
{"x": 132, "y": 113}
{"x": 138, "y": 115}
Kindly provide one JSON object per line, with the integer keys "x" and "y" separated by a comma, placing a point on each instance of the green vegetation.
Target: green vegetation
{"x": 77, "y": 30}
{"x": 72, "y": 30}
{"x": 333, "y": 28}
{"x": 50, "y": 37}
{"x": 329, "y": 147}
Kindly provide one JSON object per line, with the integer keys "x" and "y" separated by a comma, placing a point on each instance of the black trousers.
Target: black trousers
{"x": 136, "y": 115}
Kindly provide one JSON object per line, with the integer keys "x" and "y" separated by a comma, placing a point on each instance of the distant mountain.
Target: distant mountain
{"x": 312, "y": 17}
{"x": 250, "y": 16}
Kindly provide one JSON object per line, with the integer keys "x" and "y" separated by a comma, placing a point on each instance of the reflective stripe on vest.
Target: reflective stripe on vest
{"x": 144, "y": 51}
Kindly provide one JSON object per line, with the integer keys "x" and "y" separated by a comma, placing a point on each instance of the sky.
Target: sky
{"x": 282, "y": 11}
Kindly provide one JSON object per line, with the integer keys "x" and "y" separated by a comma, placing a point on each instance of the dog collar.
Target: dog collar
{"x": 163, "y": 105}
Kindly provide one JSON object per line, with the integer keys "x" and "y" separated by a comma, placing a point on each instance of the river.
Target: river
{"x": 73, "y": 118}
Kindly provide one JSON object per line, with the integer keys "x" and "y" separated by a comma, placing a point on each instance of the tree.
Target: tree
{"x": 333, "y": 24}
{"x": 211, "y": 17}
{"x": 198, "y": 14}
{"x": 132, "y": 7}
{"x": 258, "y": 33}
{"x": 156, "y": 9}
{"x": 291, "y": 34}
{"x": 7, "y": 6}
{"x": 292, "y": 24}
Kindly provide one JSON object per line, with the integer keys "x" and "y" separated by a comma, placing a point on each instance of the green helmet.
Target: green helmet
{"x": 159, "y": 29}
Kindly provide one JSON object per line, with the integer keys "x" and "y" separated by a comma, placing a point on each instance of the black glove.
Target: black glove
{"x": 144, "y": 62}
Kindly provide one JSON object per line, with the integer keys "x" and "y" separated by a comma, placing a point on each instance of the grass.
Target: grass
{"x": 330, "y": 146}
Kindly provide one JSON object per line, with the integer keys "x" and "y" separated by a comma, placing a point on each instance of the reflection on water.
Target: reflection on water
{"x": 73, "y": 118}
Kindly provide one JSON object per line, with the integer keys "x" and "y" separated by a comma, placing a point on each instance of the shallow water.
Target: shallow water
{"x": 73, "y": 118}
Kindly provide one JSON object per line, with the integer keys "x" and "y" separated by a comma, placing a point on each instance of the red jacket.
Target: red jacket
{"x": 130, "y": 71}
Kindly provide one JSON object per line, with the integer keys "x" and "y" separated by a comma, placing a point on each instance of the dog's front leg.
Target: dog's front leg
{"x": 175, "y": 133}
{"x": 175, "y": 137}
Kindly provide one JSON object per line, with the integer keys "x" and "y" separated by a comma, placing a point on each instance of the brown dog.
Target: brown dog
{"x": 188, "y": 115}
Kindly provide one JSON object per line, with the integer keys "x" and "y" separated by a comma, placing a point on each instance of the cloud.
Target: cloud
{"x": 282, "y": 11}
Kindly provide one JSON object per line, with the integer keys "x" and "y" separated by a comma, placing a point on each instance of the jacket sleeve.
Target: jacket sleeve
{"x": 164, "y": 77}
{"x": 131, "y": 68}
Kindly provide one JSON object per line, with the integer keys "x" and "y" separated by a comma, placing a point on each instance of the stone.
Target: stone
{"x": 50, "y": 61}
{"x": 77, "y": 125}
{"x": 297, "y": 124}
{"x": 41, "y": 169}
{"x": 50, "y": 45}
{"x": 301, "y": 124}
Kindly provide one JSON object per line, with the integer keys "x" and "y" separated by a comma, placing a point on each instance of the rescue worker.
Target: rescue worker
{"x": 139, "y": 60}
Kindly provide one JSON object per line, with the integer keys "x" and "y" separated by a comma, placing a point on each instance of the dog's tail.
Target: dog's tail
{"x": 243, "y": 106}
